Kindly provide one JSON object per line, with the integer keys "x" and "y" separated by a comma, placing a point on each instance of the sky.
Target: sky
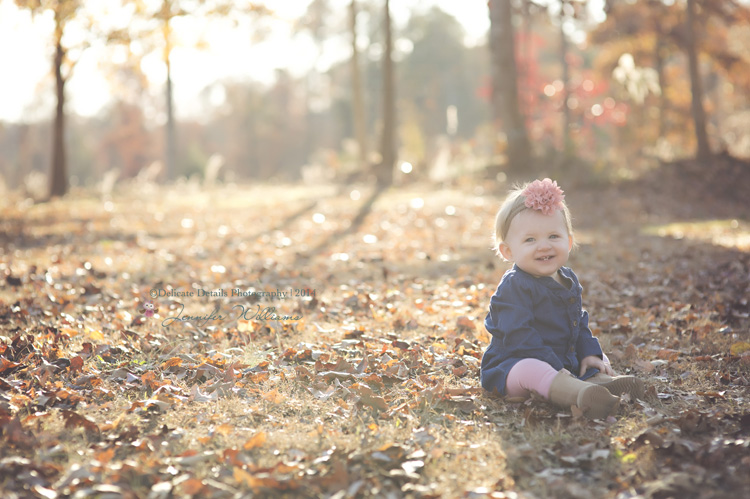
{"x": 25, "y": 58}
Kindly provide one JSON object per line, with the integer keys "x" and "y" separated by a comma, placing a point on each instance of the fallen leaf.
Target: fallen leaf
{"x": 75, "y": 420}
{"x": 13, "y": 432}
{"x": 224, "y": 429}
{"x": 274, "y": 396}
{"x": 192, "y": 486}
{"x": 464, "y": 322}
{"x": 174, "y": 361}
{"x": 256, "y": 441}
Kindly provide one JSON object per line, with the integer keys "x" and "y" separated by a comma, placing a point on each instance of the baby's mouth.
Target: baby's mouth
{"x": 545, "y": 258}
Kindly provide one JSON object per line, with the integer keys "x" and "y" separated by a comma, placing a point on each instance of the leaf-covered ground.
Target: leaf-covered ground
{"x": 367, "y": 386}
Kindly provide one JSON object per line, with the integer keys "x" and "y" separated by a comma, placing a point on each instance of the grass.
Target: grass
{"x": 731, "y": 233}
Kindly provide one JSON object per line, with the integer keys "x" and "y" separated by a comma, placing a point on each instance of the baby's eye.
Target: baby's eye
{"x": 529, "y": 240}
{"x": 554, "y": 236}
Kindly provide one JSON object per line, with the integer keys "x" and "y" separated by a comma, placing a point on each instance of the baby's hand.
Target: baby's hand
{"x": 594, "y": 361}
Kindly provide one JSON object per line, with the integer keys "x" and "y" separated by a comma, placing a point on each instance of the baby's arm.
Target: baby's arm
{"x": 588, "y": 347}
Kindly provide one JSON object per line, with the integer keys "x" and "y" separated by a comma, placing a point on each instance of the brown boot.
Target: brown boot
{"x": 618, "y": 385}
{"x": 595, "y": 401}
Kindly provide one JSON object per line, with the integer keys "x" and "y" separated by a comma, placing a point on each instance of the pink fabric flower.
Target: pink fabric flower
{"x": 544, "y": 195}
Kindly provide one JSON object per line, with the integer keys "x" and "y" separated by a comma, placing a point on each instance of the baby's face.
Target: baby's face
{"x": 539, "y": 244}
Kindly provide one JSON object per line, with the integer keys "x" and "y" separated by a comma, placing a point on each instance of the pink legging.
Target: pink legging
{"x": 532, "y": 375}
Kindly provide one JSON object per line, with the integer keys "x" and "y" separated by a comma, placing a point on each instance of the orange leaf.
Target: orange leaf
{"x": 231, "y": 456}
{"x": 224, "y": 429}
{"x": 259, "y": 377}
{"x": 243, "y": 476}
{"x": 149, "y": 379}
{"x": 192, "y": 486}
{"x": 464, "y": 322}
{"x": 668, "y": 354}
{"x": 174, "y": 361}
{"x": 274, "y": 397}
{"x": 76, "y": 364}
{"x": 69, "y": 331}
{"x": 105, "y": 456}
{"x": 257, "y": 441}
{"x": 94, "y": 334}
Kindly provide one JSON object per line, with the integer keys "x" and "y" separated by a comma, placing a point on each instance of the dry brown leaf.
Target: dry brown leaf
{"x": 192, "y": 486}
{"x": 75, "y": 420}
{"x": 644, "y": 366}
{"x": 174, "y": 361}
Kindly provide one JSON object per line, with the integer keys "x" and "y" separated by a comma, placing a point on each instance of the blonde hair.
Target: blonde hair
{"x": 512, "y": 206}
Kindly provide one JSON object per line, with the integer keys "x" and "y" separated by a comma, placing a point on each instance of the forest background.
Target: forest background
{"x": 622, "y": 69}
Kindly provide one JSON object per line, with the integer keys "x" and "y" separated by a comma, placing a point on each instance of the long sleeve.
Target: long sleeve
{"x": 586, "y": 344}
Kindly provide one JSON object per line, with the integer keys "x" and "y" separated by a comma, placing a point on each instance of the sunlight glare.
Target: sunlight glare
{"x": 234, "y": 54}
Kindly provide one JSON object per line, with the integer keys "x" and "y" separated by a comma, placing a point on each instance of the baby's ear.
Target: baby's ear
{"x": 505, "y": 252}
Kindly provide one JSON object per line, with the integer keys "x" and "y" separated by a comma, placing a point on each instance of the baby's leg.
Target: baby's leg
{"x": 561, "y": 388}
{"x": 530, "y": 375}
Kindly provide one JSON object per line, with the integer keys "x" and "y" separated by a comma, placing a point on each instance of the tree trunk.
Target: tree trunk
{"x": 170, "y": 156}
{"x": 528, "y": 49}
{"x": 388, "y": 142}
{"x": 699, "y": 114}
{"x": 505, "y": 84}
{"x": 358, "y": 104}
{"x": 567, "y": 142}
{"x": 59, "y": 177}
{"x": 660, "y": 74}
{"x": 171, "y": 153}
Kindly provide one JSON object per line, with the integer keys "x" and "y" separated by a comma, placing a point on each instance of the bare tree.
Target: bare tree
{"x": 504, "y": 84}
{"x": 699, "y": 113}
{"x": 564, "y": 49}
{"x": 165, "y": 15}
{"x": 358, "y": 101}
{"x": 384, "y": 171}
{"x": 63, "y": 11}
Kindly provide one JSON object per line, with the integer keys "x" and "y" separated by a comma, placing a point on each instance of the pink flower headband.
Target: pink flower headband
{"x": 544, "y": 195}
